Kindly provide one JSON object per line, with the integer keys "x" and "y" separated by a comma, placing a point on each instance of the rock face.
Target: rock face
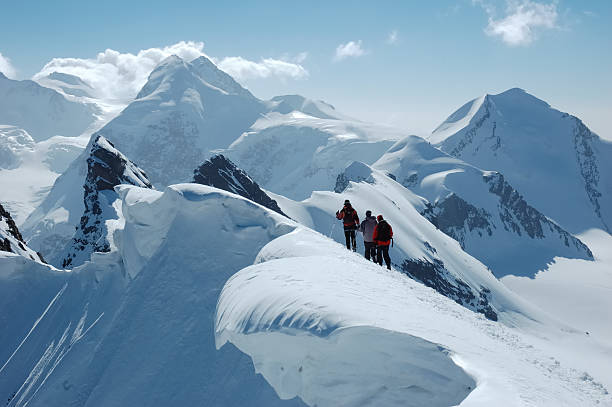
{"x": 219, "y": 172}
{"x": 559, "y": 166}
{"x": 107, "y": 167}
{"x": 11, "y": 239}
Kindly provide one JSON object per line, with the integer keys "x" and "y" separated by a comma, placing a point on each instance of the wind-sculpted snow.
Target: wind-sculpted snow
{"x": 294, "y": 154}
{"x": 551, "y": 157}
{"x": 480, "y": 209}
{"x": 324, "y": 324}
{"x": 420, "y": 250}
{"x": 134, "y": 326}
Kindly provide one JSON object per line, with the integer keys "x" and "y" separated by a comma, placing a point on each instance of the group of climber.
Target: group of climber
{"x": 377, "y": 233}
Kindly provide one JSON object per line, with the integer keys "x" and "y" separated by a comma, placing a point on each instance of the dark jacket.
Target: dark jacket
{"x": 379, "y": 233}
{"x": 349, "y": 217}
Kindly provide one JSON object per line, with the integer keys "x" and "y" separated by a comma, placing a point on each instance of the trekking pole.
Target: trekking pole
{"x": 332, "y": 230}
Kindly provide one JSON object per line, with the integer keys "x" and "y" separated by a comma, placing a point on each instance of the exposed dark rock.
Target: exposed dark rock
{"x": 469, "y": 135}
{"x": 589, "y": 169}
{"x": 355, "y": 172}
{"x": 12, "y": 227}
{"x": 517, "y": 215}
{"x": 107, "y": 167}
{"x": 456, "y": 217}
{"x": 434, "y": 274}
{"x": 220, "y": 172}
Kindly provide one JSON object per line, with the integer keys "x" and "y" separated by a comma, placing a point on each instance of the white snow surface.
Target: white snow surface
{"x": 497, "y": 237}
{"x": 135, "y": 326}
{"x": 322, "y": 323}
{"x": 294, "y": 154}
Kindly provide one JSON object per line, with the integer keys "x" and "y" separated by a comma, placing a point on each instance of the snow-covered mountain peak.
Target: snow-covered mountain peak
{"x": 316, "y": 108}
{"x": 548, "y": 155}
{"x": 41, "y": 111}
{"x": 211, "y": 74}
{"x": 68, "y": 84}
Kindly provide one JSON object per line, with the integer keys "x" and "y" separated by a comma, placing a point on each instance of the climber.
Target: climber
{"x": 367, "y": 229}
{"x": 383, "y": 233}
{"x": 349, "y": 218}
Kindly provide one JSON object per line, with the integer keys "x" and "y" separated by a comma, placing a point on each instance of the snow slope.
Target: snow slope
{"x": 184, "y": 111}
{"x": 420, "y": 250}
{"x": 560, "y": 166}
{"x": 286, "y": 104}
{"x": 28, "y": 169}
{"x": 41, "y": 111}
{"x": 294, "y": 154}
{"x": 134, "y": 326}
{"x": 480, "y": 209}
{"x": 321, "y": 323}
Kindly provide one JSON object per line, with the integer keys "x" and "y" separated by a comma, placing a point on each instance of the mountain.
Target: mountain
{"x": 296, "y": 103}
{"x": 184, "y": 111}
{"x": 11, "y": 240}
{"x": 219, "y": 172}
{"x": 560, "y": 166}
{"x": 28, "y": 169}
{"x": 42, "y": 112}
{"x": 482, "y": 211}
{"x": 67, "y": 84}
{"x": 294, "y": 154}
{"x": 106, "y": 168}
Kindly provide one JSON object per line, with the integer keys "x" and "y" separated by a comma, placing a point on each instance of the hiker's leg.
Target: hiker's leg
{"x": 379, "y": 255}
{"x": 368, "y": 249}
{"x": 354, "y": 240}
{"x": 347, "y": 236}
{"x": 387, "y": 258}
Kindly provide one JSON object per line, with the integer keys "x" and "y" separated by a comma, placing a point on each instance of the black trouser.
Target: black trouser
{"x": 370, "y": 250}
{"x": 349, "y": 234}
{"x": 383, "y": 252}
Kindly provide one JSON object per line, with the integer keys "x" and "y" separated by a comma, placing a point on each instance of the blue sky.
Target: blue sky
{"x": 443, "y": 52}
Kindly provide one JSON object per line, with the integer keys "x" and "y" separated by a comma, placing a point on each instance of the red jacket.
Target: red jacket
{"x": 349, "y": 215}
{"x": 376, "y": 231}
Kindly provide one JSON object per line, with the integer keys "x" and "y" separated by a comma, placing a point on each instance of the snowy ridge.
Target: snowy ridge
{"x": 457, "y": 121}
{"x": 551, "y": 157}
{"x": 107, "y": 167}
{"x": 11, "y": 240}
{"x": 219, "y": 172}
{"x": 41, "y": 111}
{"x": 316, "y": 108}
{"x": 294, "y": 154}
{"x": 420, "y": 250}
{"x": 307, "y": 310}
{"x": 74, "y": 340}
{"x": 480, "y": 209}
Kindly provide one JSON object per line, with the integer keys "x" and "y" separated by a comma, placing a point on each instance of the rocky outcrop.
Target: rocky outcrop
{"x": 355, "y": 172}
{"x": 517, "y": 215}
{"x": 219, "y": 172}
{"x": 11, "y": 239}
{"x": 107, "y": 167}
{"x": 433, "y": 274}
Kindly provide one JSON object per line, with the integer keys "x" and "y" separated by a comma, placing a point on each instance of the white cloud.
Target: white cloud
{"x": 350, "y": 49}
{"x": 242, "y": 69}
{"x": 522, "y": 19}
{"x": 393, "y": 37}
{"x": 6, "y": 67}
{"x": 116, "y": 75}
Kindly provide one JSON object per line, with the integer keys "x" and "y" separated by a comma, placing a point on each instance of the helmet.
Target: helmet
{"x": 368, "y": 213}
{"x": 379, "y": 218}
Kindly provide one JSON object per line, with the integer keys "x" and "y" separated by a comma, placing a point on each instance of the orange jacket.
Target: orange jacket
{"x": 348, "y": 220}
{"x": 376, "y": 231}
